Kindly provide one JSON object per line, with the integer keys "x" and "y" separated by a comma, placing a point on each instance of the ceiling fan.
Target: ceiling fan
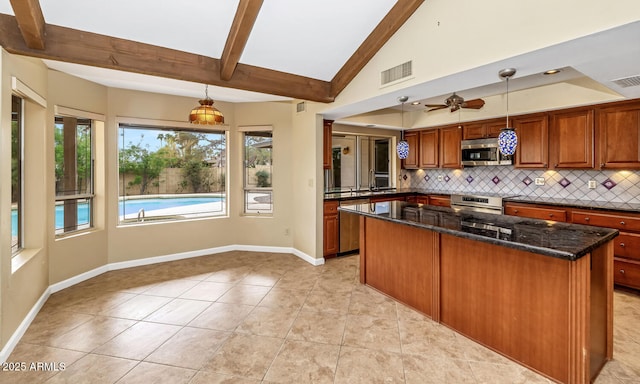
{"x": 455, "y": 102}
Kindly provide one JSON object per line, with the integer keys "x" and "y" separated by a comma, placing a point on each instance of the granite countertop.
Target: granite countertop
{"x": 348, "y": 195}
{"x": 555, "y": 239}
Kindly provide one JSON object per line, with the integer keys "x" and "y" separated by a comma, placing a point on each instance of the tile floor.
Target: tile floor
{"x": 244, "y": 317}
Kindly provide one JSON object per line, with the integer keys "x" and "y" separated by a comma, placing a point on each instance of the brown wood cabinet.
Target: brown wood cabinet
{"x": 331, "y": 228}
{"x": 483, "y": 129}
{"x": 327, "y": 155}
{"x": 450, "y": 153}
{"x": 429, "y": 148}
{"x": 412, "y": 160}
{"x": 535, "y": 211}
{"x": 571, "y": 139}
{"x": 533, "y": 141}
{"x": 618, "y": 131}
{"x": 440, "y": 201}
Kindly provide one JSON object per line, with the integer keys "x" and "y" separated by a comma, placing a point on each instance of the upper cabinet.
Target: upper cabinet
{"x": 618, "y": 133}
{"x": 483, "y": 130}
{"x": 429, "y": 148}
{"x": 571, "y": 139}
{"x": 413, "y": 139}
{"x": 450, "y": 152}
{"x": 533, "y": 139}
{"x": 326, "y": 144}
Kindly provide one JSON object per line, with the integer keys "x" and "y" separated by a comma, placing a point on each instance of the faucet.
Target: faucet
{"x": 372, "y": 180}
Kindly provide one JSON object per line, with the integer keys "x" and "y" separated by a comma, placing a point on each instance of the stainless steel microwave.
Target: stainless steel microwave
{"x": 483, "y": 152}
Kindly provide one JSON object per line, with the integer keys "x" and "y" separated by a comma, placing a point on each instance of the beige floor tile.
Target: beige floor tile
{"x": 367, "y": 301}
{"x": 266, "y": 321}
{"x": 419, "y": 369}
{"x": 189, "y": 348}
{"x": 207, "y": 290}
{"x": 216, "y": 378}
{"x": 92, "y": 334}
{"x": 407, "y": 313}
{"x": 372, "y": 333}
{"x": 101, "y": 302}
{"x": 366, "y": 366}
{"x": 426, "y": 337}
{"x": 505, "y": 373}
{"x": 178, "y": 312}
{"x": 222, "y": 316}
{"x": 284, "y": 298}
{"x": 145, "y": 373}
{"x": 320, "y": 300}
{"x": 304, "y": 362}
{"x": 171, "y": 288}
{"x": 229, "y": 275}
{"x": 262, "y": 277}
{"x": 94, "y": 369}
{"x": 137, "y": 308}
{"x": 336, "y": 283}
{"x": 28, "y": 353}
{"x": 247, "y": 356}
{"x": 297, "y": 282}
{"x": 49, "y": 325}
{"x": 318, "y": 327}
{"x": 139, "y": 341}
{"x": 245, "y": 294}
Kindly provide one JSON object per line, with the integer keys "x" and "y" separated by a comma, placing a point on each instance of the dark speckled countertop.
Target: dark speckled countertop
{"x": 561, "y": 240}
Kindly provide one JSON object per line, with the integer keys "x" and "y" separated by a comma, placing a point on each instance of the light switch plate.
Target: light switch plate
{"x": 539, "y": 180}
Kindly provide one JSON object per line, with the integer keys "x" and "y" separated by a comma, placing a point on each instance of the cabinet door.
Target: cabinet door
{"x": 326, "y": 144}
{"x": 473, "y": 131}
{"x": 533, "y": 134}
{"x": 493, "y": 128}
{"x": 429, "y": 148}
{"x": 411, "y": 162}
{"x": 450, "y": 152}
{"x": 330, "y": 235}
{"x": 619, "y": 137}
{"x": 535, "y": 212}
{"x": 571, "y": 139}
{"x": 440, "y": 201}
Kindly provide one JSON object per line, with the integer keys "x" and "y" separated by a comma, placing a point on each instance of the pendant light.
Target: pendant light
{"x": 507, "y": 140}
{"x": 403, "y": 146}
{"x": 206, "y": 113}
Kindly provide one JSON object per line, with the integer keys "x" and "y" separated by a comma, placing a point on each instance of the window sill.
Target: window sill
{"x": 23, "y": 257}
{"x": 65, "y": 236}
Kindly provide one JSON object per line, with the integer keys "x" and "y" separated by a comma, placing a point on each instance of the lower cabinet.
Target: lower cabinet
{"x": 535, "y": 212}
{"x": 331, "y": 229}
{"x": 440, "y": 201}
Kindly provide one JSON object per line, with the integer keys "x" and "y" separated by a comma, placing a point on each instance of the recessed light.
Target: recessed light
{"x": 551, "y": 72}
{"x": 415, "y": 103}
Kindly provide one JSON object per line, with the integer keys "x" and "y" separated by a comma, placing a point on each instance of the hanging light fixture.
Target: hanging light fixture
{"x": 507, "y": 140}
{"x": 403, "y": 146}
{"x": 206, "y": 113}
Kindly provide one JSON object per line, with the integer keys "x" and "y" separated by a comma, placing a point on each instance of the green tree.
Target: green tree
{"x": 146, "y": 166}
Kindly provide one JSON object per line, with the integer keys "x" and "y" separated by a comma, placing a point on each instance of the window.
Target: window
{"x": 16, "y": 174}
{"x": 258, "y": 172}
{"x": 170, "y": 173}
{"x": 74, "y": 161}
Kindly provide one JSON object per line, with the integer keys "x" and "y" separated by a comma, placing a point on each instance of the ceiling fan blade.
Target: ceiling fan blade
{"x": 436, "y": 108}
{"x": 473, "y": 104}
{"x": 434, "y": 105}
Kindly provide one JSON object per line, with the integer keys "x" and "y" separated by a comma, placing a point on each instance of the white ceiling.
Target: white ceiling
{"x": 315, "y": 39}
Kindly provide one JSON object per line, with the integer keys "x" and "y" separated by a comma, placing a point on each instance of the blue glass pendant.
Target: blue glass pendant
{"x": 403, "y": 149}
{"x": 507, "y": 141}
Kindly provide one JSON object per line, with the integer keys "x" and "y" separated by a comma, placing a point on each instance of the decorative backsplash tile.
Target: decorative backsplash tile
{"x": 613, "y": 186}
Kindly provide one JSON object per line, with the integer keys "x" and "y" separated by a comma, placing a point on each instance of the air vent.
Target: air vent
{"x": 397, "y": 73}
{"x": 301, "y": 107}
{"x": 631, "y": 81}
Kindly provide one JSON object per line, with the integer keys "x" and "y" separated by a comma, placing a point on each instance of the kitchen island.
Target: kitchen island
{"x": 538, "y": 292}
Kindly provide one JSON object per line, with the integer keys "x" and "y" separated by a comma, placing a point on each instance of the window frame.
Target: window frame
{"x": 129, "y": 219}
{"x": 247, "y": 189}
{"x": 17, "y": 247}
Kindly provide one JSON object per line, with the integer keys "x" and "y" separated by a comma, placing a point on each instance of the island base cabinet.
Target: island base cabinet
{"x": 402, "y": 268}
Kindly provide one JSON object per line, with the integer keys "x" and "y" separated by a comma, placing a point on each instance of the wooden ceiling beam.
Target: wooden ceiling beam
{"x": 401, "y": 11}
{"x": 30, "y": 21}
{"x": 241, "y": 28}
{"x": 80, "y": 47}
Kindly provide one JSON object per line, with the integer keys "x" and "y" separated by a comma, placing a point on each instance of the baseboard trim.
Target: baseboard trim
{"x": 26, "y": 322}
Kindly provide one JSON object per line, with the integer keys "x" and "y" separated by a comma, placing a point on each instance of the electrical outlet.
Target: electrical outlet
{"x": 440, "y": 178}
{"x": 286, "y": 231}
{"x": 539, "y": 180}
{"x": 591, "y": 184}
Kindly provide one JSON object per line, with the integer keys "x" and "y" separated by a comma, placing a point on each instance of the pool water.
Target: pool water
{"x": 130, "y": 206}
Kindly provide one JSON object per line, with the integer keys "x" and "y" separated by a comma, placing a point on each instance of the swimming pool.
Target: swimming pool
{"x": 126, "y": 207}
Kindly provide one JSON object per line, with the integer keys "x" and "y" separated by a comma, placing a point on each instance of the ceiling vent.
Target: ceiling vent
{"x": 631, "y": 81}
{"x": 301, "y": 107}
{"x": 396, "y": 74}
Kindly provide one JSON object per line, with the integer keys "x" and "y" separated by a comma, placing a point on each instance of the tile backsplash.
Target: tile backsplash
{"x": 612, "y": 186}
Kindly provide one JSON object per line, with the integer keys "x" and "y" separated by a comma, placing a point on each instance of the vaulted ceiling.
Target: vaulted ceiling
{"x": 291, "y": 49}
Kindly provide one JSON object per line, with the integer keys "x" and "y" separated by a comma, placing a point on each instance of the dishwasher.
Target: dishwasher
{"x": 350, "y": 228}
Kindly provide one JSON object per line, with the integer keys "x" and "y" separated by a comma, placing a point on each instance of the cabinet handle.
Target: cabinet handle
{"x": 556, "y": 165}
{"x": 515, "y": 211}
{"x": 622, "y": 245}
{"x": 602, "y": 165}
{"x": 622, "y": 223}
{"x": 551, "y": 215}
{"x": 586, "y": 219}
{"x": 622, "y": 271}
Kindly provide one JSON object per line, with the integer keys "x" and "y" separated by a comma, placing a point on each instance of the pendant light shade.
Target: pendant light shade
{"x": 403, "y": 146}
{"x": 508, "y": 139}
{"x": 206, "y": 113}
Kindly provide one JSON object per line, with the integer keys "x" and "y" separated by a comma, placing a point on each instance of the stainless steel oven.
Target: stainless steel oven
{"x": 477, "y": 203}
